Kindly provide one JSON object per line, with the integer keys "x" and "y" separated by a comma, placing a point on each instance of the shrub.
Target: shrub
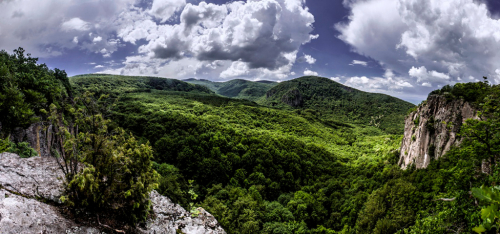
{"x": 117, "y": 173}
{"x": 4, "y": 144}
{"x": 430, "y": 125}
{"x": 22, "y": 149}
{"x": 388, "y": 208}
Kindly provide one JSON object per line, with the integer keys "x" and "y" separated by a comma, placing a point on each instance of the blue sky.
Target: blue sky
{"x": 404, "y": 48}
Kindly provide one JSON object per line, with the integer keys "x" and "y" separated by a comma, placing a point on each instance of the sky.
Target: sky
{"x": 404, "y": 48}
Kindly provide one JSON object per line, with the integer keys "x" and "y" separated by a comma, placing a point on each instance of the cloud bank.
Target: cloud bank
{"x": 249, "y": 39}
{"x": 238, "y": 39}
{"x": 50, "y": 28}
{"x": 427, "y": 42}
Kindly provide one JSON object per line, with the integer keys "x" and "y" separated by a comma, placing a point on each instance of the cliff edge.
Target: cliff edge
{"x": 432, "y": 129}
{"x": 29, "y": 203}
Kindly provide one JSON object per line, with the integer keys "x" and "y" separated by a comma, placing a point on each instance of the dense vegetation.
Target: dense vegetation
{"x": 241, "y": 89}
{"x": 471, "y": 92}
{"x": 283, "y": 170}
{"x": 107, "y": 171}
{"x": 311, "y": 160}
{"x": 116, "y": 85}
{"x": 331, "y": 101}
{"x": 27, "y": 87}
{"x": 336, "y": 102}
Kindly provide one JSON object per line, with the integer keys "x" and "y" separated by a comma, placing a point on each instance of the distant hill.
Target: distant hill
{"x": 311, "y": 97}
{"x": 329, "y": 100}
{"x": 242, "y": 89}
{"x": 117, "y": 84}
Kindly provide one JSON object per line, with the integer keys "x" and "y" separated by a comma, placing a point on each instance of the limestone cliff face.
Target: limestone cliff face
{"x": 432, "y": 129}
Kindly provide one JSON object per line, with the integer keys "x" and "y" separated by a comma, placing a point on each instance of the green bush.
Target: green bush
{"x": 4, "y": 144}
{"x": 22, "y": 149}
{"x": 117, "y": 175}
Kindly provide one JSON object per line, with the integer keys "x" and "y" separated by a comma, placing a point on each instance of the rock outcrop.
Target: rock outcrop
{"x": 34, "y": 177}
{"x": 39, "y": 135}
{"x": 171, "y": 217}
{"x": 432, "y": 129}
{"x": 293, "y": 98}
{"x": 19, "y": 214}
{"x": 29, "y": 186}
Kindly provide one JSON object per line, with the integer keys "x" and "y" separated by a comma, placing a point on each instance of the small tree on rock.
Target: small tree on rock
{"x": 104, "y": 169}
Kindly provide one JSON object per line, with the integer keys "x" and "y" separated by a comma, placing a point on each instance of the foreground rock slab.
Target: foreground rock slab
{"x": 24, "y": 215}
{"x": 24, "y": 183}
{"x": 32, "y": 177}
{"x": 171, "y": 218}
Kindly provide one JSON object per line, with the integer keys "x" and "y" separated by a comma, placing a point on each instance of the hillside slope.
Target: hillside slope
{"x": 339, "y": 103}
{"x": 241, "y": 89}
{"x": 223, "y": 148}
{"x": 116, "y": 84}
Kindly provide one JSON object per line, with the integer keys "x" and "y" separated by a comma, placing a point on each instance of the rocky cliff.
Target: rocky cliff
{"x": 29, "y": 203}
{"x": 432, "y": 129}
{"x": 39, "y": 135}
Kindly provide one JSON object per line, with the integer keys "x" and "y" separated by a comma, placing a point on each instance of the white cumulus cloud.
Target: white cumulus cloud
{"x": 262, "y": 36}
{"x": 422, "y": 74}
{"x": 336, "y": 79}
{"x": 389, "y": 83}
{"x": 165, "y": 9}
{"x": 308, "y": 59}
{"x": 449, "y": 38}
{"x": 47, "y": 29}
{"x": 97, "y": 39}
{"x": 359, "y": 62}
{"x": 254, "y": 38}
{"x": 308, "y": 72}
{"x": 76, "y": 24}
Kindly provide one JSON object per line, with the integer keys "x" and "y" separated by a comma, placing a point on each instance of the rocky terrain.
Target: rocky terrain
{"x": 29, "y": 199}
{"x": 432, "y": 129}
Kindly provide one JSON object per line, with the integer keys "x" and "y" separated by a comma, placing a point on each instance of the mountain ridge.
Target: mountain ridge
{"x": 237, "y": 88}
{"x": 340, "y": 102}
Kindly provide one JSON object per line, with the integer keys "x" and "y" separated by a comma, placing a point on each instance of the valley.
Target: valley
{"x": 307, "y": 155}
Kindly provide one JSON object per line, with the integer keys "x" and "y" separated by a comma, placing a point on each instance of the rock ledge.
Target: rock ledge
{"x": 24, "y": 182}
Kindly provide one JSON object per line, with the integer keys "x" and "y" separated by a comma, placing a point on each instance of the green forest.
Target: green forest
{"x": 307, "y": 155}
{"x": 241, "y": 89}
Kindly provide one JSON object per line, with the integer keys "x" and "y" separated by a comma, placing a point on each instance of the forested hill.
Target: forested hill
{"x": 339, "y": 103}
{"x": 117, "y": 84}
{"x": 242, "y": 89}
{"x": 291, "y": 168}
{"x": 313, "y": 97}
